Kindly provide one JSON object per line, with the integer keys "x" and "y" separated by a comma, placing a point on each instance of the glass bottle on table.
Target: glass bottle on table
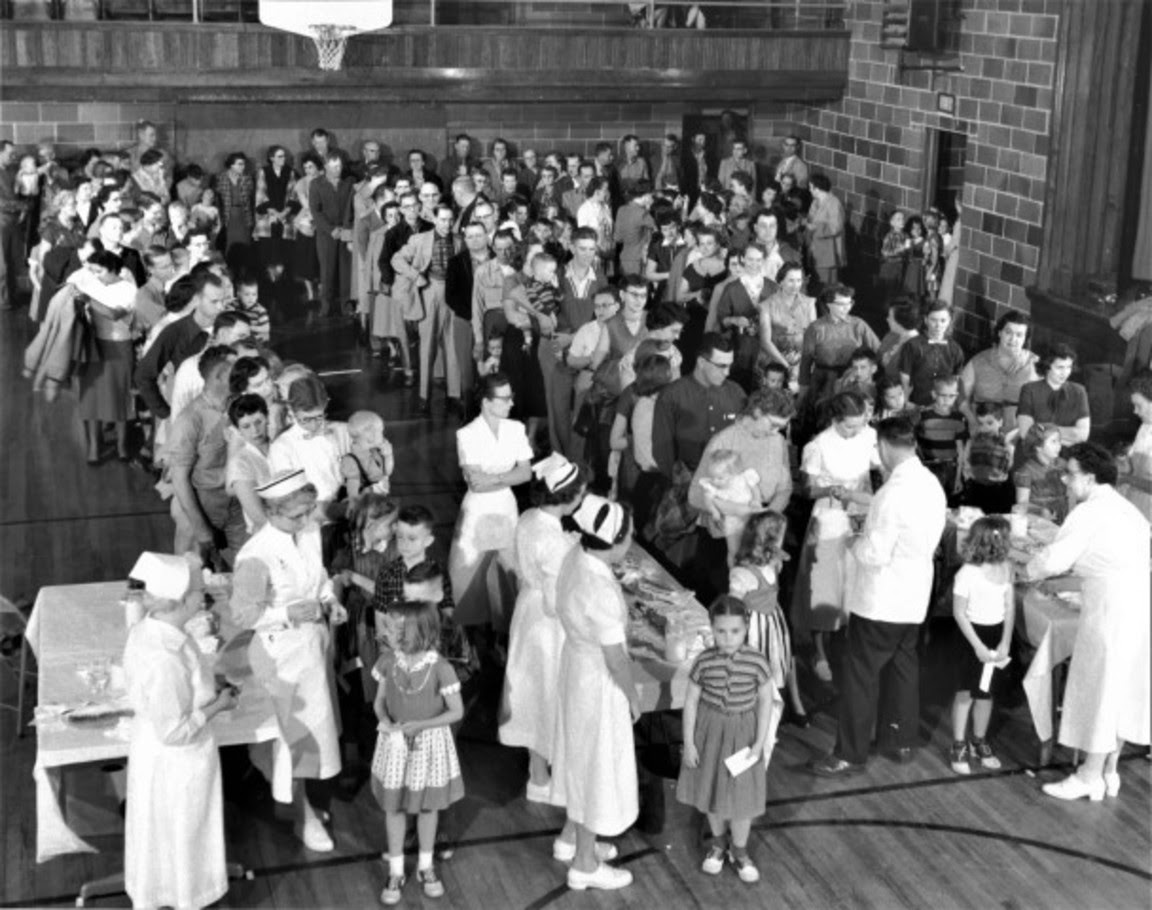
{"x": 133, "y": 603}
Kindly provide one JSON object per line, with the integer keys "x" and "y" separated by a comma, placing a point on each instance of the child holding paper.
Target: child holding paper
{"x": 982, "y": 603}
{"x": 727, "y": 712}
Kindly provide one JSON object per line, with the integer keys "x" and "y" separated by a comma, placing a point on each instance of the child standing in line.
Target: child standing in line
{"x": 415, "y": 770}
{"x": 982, "y": 603}
{"x": 941, "y": 433}
{"x": 892, "y": 399}
{"x": 914, "y": 278}
{"x": 728, "y": 708}
{"x": 371, "y": 524}
{"x": 756, "y": 581}
{"x": 369, "y": 463}
{"x": 894, "y": 252}
{"x": 493, "y": 352}
{"x": 987, "y": 462}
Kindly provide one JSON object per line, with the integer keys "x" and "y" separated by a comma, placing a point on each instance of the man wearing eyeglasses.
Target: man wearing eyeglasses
{"x": 689, "y": 412}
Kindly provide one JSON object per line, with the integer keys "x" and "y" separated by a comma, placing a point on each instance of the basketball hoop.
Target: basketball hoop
{"x": 330, "y": 41}
{"x": 340, "y": 20}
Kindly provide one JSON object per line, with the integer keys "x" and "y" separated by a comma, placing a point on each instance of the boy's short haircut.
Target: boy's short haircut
{"x": 417, "y": 515}
{"x": 941, "y": 383}
{"x": 776, "y": 366}
{"x": 542, "y": 259}
{"x": 865, "y": 353}
{"x": 990, "y": 409}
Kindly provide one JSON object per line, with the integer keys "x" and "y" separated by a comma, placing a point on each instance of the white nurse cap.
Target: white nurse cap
{"x": 163, "y": 575}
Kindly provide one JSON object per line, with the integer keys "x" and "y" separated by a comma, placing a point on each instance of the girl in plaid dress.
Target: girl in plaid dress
{"x": 415, "y": 770}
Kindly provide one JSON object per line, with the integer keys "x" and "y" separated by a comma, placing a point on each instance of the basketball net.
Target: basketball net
{"x": 330, "y": 41}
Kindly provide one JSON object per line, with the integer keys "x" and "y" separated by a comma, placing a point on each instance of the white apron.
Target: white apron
{"x": 594, "y": 765}
{"x": 174, "y": 822}
{"x": 486, "y": 527}
{"x": 536, "y": 637}
{"x": 294, "y": 663}
{"x": 1104, "y": 541}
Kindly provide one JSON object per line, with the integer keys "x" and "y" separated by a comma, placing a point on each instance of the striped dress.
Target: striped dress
{"x": 725, "y": 724}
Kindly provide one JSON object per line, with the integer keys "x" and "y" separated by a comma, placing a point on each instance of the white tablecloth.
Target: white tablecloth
{"x": 74, "y": 624}
{"x": 1050, "y": 626}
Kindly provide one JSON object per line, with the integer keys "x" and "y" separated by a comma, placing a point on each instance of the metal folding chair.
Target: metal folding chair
{"x": 13, "y": 639}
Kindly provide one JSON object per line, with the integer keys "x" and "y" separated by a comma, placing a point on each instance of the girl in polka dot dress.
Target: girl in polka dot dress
{"x": 415, "y": 770}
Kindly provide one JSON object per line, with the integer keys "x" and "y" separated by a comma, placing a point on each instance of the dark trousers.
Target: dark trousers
{"x": 709, "y": 567}
{"x": 874, "y": 648}
{"x": 11, "y": 258}
{"x": 462, "y": 343}
{"x": 335, "y": 272}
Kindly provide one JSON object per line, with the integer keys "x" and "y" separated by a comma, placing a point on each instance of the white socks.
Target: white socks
{"x": 396, "y": 865}
{"x": 424, "y": 861}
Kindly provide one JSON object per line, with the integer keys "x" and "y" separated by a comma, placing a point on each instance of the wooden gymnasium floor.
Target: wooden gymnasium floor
{"x": 900, "y": 836}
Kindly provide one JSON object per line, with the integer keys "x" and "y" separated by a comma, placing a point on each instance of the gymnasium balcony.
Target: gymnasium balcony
{"x": 437, "y": 50}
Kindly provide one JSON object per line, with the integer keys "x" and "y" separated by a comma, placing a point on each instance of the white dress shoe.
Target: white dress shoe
{"x": 1074, "y": 787}
{"x": 538, "y": 793}
{"x": 564, "y": 852}
{"x": 1111, "y": 783}
{"x": 606, "y": 878}
{"x": 316, "y": 838}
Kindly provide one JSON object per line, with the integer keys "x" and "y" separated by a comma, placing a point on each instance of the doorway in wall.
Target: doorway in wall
{"x": 719, "y": 129}
{"x": 944, "y": 170}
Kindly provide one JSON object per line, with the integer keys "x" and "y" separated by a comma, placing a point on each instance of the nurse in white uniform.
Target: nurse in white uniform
{"x": 1104, "y": 543}
{"x": 281, "y": 590}
{"x": 174, "y": 821}
{"x": 494, "y": 456}
{"x": 528, "y": 715}
{"x": 594, "y": 765}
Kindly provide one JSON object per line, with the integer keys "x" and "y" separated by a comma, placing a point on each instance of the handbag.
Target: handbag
{"x": 673, "y": 516}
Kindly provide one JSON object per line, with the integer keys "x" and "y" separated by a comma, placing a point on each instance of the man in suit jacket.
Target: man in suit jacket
{"x": 738, "y": 163}
{"x": 792, "y": 163}
{"x": 458, "y": 296}
{"x": 330, "y": 199}
{"x": 421, "y": 268}
{"x": 825, "y": 231}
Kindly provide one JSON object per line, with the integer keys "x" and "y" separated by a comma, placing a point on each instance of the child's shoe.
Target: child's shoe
{"x": 980, "y": 750}
{"x": 433, "y": 887}
{"x": 393, "y": 891}
{"x": 714, "y": 861}
{"x": 745, "y": 868}
{"x": 958, "y": 758}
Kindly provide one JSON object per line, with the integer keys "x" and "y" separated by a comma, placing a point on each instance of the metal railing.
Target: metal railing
{"x": 650, "y": 14}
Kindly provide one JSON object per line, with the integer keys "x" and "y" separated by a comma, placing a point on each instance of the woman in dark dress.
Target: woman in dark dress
{"x": 276, "y": 205}
{"x": 704, "y": 270}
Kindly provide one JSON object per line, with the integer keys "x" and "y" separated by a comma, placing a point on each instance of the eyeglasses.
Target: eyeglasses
{"x": 725, "y": 367}
{"x": 310, "y": 420}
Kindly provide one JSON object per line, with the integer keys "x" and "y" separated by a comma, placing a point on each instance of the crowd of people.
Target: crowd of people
{"x": 658, "y": 351}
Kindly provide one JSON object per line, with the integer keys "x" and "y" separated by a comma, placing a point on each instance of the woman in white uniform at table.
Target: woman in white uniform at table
{"x": 281, "y": 590}
{"x": 494, "y": 456}
{"x": 174, "y": 820}
{"x": 594, "y": 761}
{"x": 1104, "y": 543}
{"x": 536, "y": 637}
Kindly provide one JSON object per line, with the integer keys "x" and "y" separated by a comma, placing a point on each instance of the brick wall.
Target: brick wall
{"x": 872, "y": 142}
{"x": 78, "y": 126}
